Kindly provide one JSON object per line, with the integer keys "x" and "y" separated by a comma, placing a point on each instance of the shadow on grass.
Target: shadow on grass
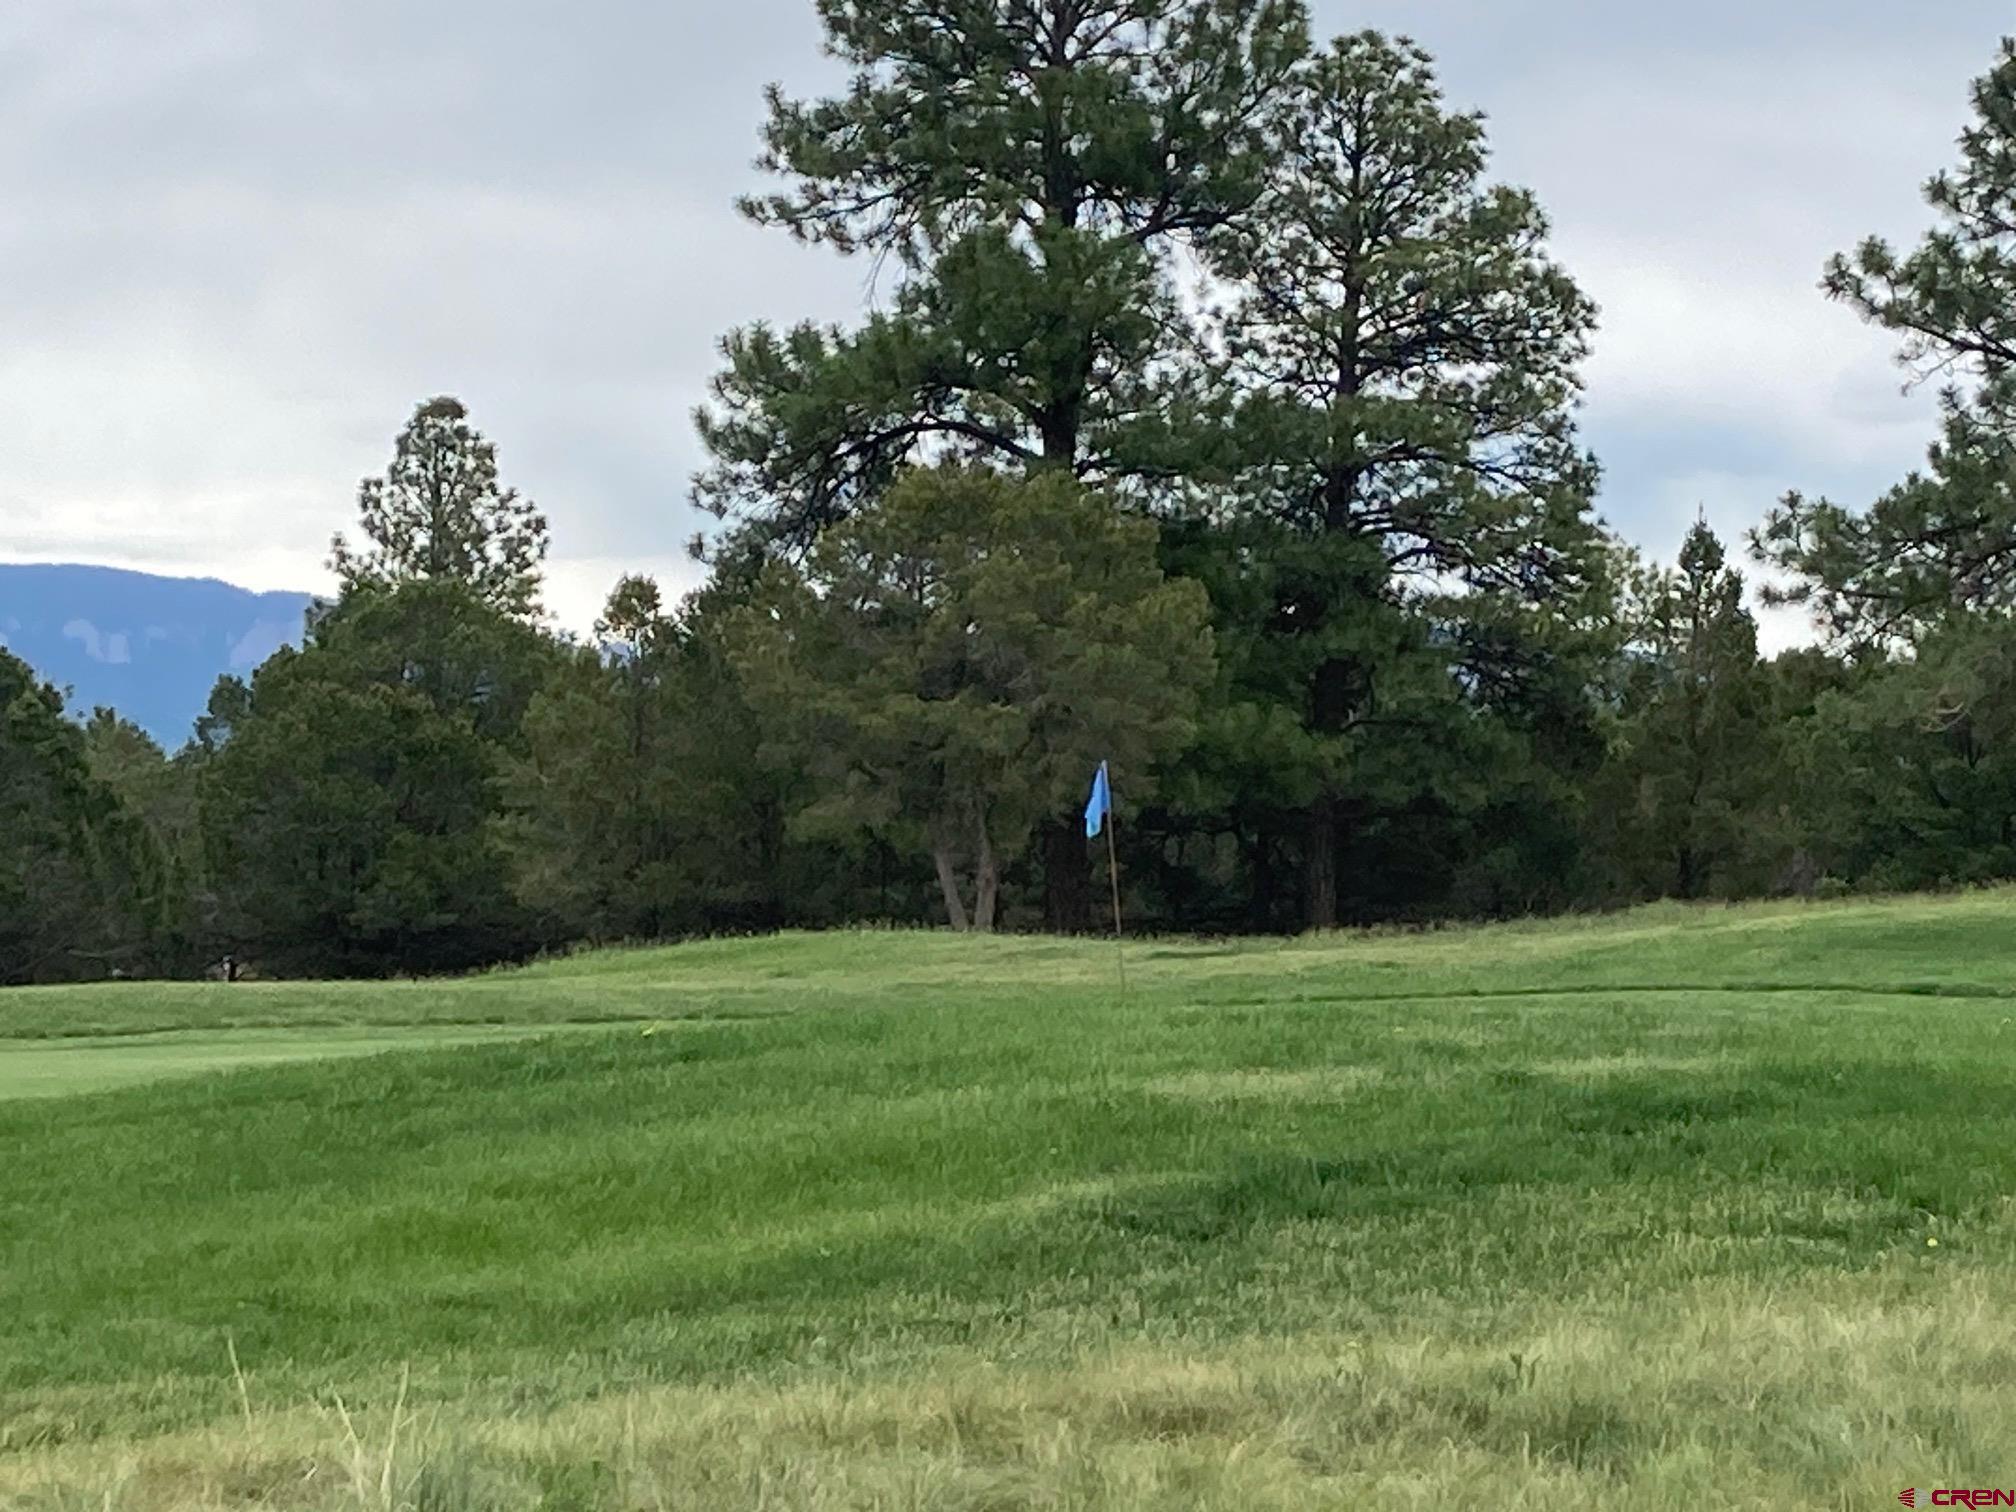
{"x": 1855, "y": 1161}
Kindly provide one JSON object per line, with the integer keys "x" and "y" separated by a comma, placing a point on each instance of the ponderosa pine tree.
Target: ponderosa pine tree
{"x": 953, "y": 663}
{"x": 1029, "y": 169}
{"x": 1942, "y": 541}
{"x": 594, "y": 809}
{"x": 1404, "y": 358}
{"x": 439, "y": 514}
{"x": 349, "y": 797}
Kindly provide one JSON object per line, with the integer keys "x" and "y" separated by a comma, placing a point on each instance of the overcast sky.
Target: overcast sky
{"x": 239, "y": 239}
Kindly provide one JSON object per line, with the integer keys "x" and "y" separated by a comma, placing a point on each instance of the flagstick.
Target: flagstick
{"x": 1113, "y": 873}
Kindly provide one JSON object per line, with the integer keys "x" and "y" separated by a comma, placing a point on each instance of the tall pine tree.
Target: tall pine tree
{"x": 349, "y": 797}
{"x": 440, "y": 514}
{"x": 1404, "y": 358}
{"x": 1030, "y": 170}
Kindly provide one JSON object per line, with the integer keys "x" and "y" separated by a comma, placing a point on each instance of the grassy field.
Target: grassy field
{"x": 1681, "y": 1209}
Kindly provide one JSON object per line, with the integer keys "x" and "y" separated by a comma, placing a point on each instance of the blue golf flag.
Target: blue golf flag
{"x": 1099, "y": 805}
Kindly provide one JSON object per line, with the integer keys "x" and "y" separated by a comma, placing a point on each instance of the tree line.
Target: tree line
{"x": 1217, "y": 417}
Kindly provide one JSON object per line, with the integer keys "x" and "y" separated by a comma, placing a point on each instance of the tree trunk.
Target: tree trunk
{"x": 770, "y": 860}
{"x": 1319, "y": 865}
{"x": 948, "y": 883}
{"x": 987, "y": 885}
{"x": 1067, "y": 878}
{"x": 1260, "y": 898}
{"x": 1067, "y": 873}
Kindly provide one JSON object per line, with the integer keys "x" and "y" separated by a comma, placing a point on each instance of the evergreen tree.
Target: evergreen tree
{"x": 1404, "y": 358}
{"x": 1684, "y": 795}
{"x": 1907, "y": 769}
{"x": 439, "y": 514}
{"x": 637, "y": 811}
{"x": 350, "y": 824}
{"x": 82, "y": 884}
{"x": 954, "y": 663}
{"x": 229, "y": 702}
{"x": 159, "y": 792}
{"x": 1943, "y": 541}
{"x": 1030, "y": 170}
{"x": 131, "y": 762}
{"x": 633, "y": 626}
{"x": 349, "y": 817}
{"x": 348, "y": 797}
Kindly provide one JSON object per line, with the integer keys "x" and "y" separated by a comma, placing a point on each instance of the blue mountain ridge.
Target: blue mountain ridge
{"x": 151, "y": 647}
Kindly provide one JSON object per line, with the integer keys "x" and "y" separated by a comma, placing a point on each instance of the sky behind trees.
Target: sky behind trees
{"x": 241, "y": 246}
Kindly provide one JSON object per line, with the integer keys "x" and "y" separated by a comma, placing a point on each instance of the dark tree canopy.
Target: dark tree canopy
{"x": 352, "y": 806}
{"x": 1132, "y": 118}
{"x": 953, "y": 663}
{"x": 1403, "y": 377}
{"x": 1404, "y": 352}
{"x": 1214, "y": 413}
{"x": 1029, "y": 168}
{"x": 1684, "y": 788}
{"x": 82, "y": 882}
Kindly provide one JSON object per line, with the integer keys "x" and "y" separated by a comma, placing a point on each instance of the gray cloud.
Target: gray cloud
{"x": 246, "y": 237}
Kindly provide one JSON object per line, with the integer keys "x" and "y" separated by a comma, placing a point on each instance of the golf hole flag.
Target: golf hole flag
{"x": 1099, "y": 805}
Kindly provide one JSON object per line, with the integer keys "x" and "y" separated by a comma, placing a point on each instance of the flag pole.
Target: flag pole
{"x": 1113, "y": 875}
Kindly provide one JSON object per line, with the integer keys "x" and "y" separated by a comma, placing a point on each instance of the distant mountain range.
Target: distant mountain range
{"x": 151, "y": 647}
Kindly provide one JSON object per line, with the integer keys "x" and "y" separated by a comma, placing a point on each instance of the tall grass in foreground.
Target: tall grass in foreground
{"x": 1725, "y": 1397}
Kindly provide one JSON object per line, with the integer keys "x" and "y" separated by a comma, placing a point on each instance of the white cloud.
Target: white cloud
{"x": 1708, "y": 345}
{"x": 109, "y": 648}
{"x": 578, "y": 587}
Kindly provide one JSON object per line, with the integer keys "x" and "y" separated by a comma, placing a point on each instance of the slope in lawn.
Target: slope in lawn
{"x": 1951, "y": 946}
{"x": 1512, "y": 1208}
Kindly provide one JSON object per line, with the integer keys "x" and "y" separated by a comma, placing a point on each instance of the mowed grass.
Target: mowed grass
{"x": 55, "y": 1067}
{"x": 1686, "y": 1208}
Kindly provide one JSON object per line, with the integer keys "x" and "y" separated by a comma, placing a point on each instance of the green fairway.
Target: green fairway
{"x": 1679, "y": 1209}
{"x": 50, "y": 1067}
